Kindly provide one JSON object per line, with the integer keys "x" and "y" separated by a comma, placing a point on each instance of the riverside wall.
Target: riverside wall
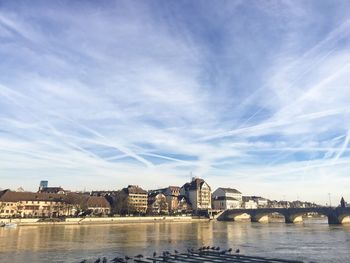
{"x": 103, "y": 220}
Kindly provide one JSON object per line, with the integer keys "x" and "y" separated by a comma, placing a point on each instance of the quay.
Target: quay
{"x": 338, "y": 215}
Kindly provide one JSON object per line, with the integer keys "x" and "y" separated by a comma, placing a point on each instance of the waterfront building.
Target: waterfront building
{"x": 198, "y": 193}
{"x": 249, "y": 203}
{"x": 98, "y": 205}
{"x": 157, "y": 203}
{"x": 262, "y": 202}
{"x": 27, "y": 204}
{"x": 172, "y": 190}
{"x": 183, "y": 205}
{"x": 253, "y": 202}
{"x": 225, "y": 202}
{"x": 171, "y": 194}
{"x": 226, "y": 198}
{"x": 136, "y": 199}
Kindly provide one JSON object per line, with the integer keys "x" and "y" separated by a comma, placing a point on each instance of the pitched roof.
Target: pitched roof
{"x": 230, "y": 190}
{"x": 195, "y": 184}
{"x": 182, "y": 197}
{"x": 98, "y": 201}
{"x": 10, "y": 196}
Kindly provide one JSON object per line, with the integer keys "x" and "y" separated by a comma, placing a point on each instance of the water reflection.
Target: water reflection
{"x": 314, "y": 240}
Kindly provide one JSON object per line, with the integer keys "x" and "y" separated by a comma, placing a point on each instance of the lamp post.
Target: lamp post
{"x": 329, "y": 197}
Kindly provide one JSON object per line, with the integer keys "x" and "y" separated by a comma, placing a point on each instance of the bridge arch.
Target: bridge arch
{"x": 240, "y": 216}
{"x": 264, "y": 216}
{"x": 344, "y": 219}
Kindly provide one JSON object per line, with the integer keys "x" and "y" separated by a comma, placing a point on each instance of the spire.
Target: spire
{"x": 342, "y": 202}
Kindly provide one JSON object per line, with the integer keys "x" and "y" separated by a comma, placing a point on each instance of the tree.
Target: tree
{"x": 76, "y": 202}
{"x": 120, "y": 204}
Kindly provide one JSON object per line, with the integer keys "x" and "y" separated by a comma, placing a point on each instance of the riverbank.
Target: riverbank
{"x": 103, "y": 220}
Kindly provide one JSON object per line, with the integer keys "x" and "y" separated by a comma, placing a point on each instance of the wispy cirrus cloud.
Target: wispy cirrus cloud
{"x": 248, "y": 96}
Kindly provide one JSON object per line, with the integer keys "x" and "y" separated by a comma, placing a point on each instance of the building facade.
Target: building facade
{"x": 136, "y": 199}
{"x": 27, "y": 204}
{"x": 157, "y": 203}
{"x": 198, "y": 192}
{"x": 249, "y": 203}
{"x": 171, "y": 194}
{"x": 226, "y": 198}
{"x": 98, "y": 205}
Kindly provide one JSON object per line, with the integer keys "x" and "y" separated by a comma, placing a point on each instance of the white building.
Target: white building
{"x": 223, "y": 203}
{"x": 249, "y": 202}
{"x": 226, "y": 198}
{"x": 198, "y": 193}
{"x": 262, "y": 202}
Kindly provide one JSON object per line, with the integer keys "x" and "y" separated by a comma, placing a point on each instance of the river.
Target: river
{"x": 314, "y": 240}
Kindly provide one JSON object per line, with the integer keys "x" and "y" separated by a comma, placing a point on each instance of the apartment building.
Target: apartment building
{"x": 198, "y": 193}
{"x": 136, "y": 199}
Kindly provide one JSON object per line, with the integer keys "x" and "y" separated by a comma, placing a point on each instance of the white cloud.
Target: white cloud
{"x": 114, "y": 96}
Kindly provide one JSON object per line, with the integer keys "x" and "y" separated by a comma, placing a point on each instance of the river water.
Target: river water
{"x": 314, "y": 240}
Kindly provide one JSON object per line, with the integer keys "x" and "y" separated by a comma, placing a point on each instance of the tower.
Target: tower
{"x": 43, "y": 184}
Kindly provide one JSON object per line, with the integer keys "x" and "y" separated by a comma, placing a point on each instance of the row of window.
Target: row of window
{"x": 29, "y": 202}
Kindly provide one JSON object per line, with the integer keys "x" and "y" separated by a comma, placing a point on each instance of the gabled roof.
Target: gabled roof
{"x": 230, "y": 190}
{"x": 182, "y": 197}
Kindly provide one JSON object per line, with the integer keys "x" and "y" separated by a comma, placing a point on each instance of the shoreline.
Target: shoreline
{"x": 104, "y": 220}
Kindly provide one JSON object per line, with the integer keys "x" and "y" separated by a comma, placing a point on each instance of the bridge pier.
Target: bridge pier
{"x": 259, "y": 218}
{"x": 333, "y": 219}
{"x": 293, "y": 219}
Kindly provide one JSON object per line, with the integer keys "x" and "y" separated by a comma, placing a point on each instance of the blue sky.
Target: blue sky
{"x": 247, "y": 94}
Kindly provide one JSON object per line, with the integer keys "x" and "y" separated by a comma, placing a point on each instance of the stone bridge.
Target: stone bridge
{"x": 338, "y": 215}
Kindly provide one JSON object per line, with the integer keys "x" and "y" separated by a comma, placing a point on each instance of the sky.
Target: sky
{"x": 253, "y": 95}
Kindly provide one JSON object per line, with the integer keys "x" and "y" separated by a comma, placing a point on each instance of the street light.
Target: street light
{"x": 329, "y": 197}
